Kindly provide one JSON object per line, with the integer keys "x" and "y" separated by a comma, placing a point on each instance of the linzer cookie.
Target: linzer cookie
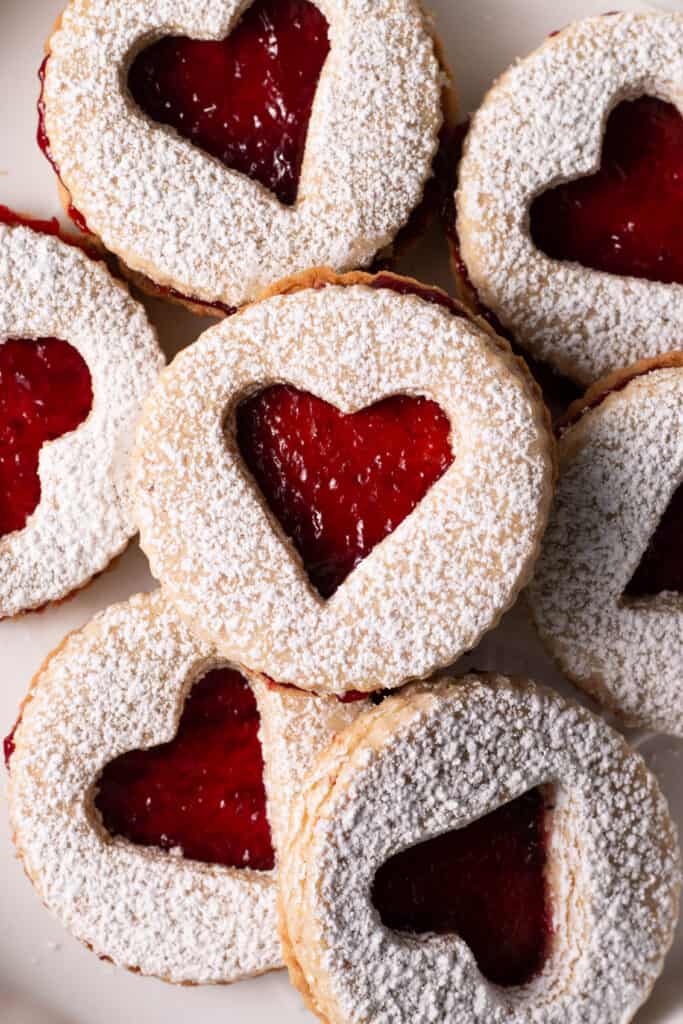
{"x": 606, "y": 595}
{"x": 77, "y": 358}
{"x": 224, "y": 148}
{"x": 346, "y": 484}
{"x": 138, "y": 800}
{"x": 569, "y": 204}
{"x": 478, "y": 851}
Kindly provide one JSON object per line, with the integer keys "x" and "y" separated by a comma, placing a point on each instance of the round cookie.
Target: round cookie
{"x": 77, "y": 358}
{"x": 426, "y": 591}
{"x": 587, "y": 318}
{"x": 438, "y": 759}
{"x": 129, "y": 720}
{"x": 605, "y": 597}
{"x": 201, "y": 230}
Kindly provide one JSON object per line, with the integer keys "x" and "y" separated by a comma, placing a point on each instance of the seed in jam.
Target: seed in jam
{"x": 626, "y": 219}
{"x": 202, "y": 792}
{"x": 245, "y": 99}
{"x": 339, "y": 484}
{"x": 45, "y": 392}
{"x": 485, "y": 883}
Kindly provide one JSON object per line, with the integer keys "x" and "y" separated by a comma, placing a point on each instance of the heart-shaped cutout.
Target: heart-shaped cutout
{"x": 245, "y": 99}
{"x": 45, "y": 392}
{"x": 485, "y": 883}
{"x": 661, "y": 568}
{"x": 202, "y": 792}
{"x": 627, "y": 218}
{"x": 339, "y": 484}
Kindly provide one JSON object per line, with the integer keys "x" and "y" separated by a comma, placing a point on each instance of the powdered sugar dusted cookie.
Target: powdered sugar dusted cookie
{"x": 567, "y": 209}
{"x": 344, "y": 485}
{"x": 606, "y": 596}
{"x": 137, "y": 796}
{"x": 316, "y": 152}
{"x": 77, "y": 358}
{"x": 478, "y": 851}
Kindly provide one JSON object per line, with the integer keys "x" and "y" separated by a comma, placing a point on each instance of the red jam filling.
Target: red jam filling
{"x": 339, "y": 484}
{"x": 626, "y": 219}
{"x": 9, "y": 746}
{"x": 45, "y": 392}
{"x": 245, "y": 99}
{"x": 661, "y": 567}
{"x": 203, "y": 791}
{"x": 485, "y": 883}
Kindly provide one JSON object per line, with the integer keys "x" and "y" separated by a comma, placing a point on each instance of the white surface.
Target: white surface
{"x": 45, "y": 976}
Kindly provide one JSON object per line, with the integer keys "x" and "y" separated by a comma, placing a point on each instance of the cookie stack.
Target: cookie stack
{"x": 341, "y": 487}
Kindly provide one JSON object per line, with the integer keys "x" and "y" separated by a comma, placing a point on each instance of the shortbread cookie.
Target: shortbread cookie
{"x": 606, "y": 595}
{"x": 137, "y": 796}
{"x": 317, "y": 153}
{"x": 77, "y": 358}
{"x": 344, "y": 485}
{"x": 559, "y": 821}
{"x": 585, "y": 273}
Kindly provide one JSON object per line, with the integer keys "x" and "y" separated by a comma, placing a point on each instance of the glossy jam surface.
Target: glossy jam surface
{"x": 626, "y": 219}
{"x": 45, "y": 392}
{"x": 202, "y": 793}
{"x": 661, "y": 567}
{"x": 246, "y": 99}
{"x": 340, "y": 484}
{"x": 485, "y": 883}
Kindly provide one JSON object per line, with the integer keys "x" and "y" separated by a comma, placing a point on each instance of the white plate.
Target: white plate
{"x": 46, "y": 977}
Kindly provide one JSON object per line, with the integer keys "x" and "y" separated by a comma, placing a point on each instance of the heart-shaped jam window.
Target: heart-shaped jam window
{"x": 339, "y": 484}
{"x": 485, "y": 883}
{"x": 627, "y": 218}
{"x": 661, "y": 567}
{"x": 245, "y": 99}
{"x": 202, "y": 793}
{"x": 45, "y": 392}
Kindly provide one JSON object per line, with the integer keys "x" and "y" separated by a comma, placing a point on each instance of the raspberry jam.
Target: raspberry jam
{"x": 627, "y": 218}
{"x": 45, "y": 392}
{"x": 9, "y": 746}
{"x": 484, "y": 882}
{"x": 203, "y": 791}
{"x": 340, "y": 484}
{"x": 661, "y": 567}
{"x": 245, "y": 99}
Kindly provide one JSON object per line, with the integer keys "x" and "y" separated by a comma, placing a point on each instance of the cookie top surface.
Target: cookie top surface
{"x": 427, "y": 591}
{"x": 530, "y": 135}
{"x": 621, "y": 464}
{"x": 435, "y": 759}
{"x": 83, "y": 519}
{"x": 181, "y": 217}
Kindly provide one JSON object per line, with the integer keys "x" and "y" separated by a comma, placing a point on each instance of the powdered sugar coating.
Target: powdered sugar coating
{"x": 179, "y": 216}
{"x": 431, "y": 761}
{"x": 620, "y": 465}
{"x": 432, "y": 587}
{"x": 542, "y": 124}
{"x": 120, "y": 685}
{"x": 296, "y": 728}
{"x": 83, "y": 520}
